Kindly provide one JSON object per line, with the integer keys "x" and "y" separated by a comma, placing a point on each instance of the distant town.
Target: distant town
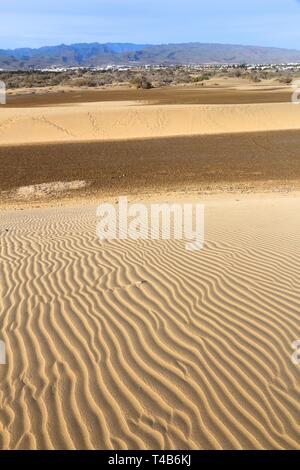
{"x": 293, "y": 66}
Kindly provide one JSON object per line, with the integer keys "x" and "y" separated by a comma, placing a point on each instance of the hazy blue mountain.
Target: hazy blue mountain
{"x": 96, "y": 54}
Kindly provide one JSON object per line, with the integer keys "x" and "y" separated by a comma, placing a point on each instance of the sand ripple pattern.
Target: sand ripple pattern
{"x": 134, "y": 345}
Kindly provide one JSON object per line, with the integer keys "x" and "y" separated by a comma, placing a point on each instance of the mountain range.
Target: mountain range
{"x": 95, "y": 55}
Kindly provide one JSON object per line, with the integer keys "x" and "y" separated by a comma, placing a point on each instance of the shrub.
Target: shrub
{"x": 201, "y": 78}
{"x": 141, "y": 82}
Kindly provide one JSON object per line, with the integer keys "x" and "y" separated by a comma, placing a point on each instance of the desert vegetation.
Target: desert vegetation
{"x": 146, "y": 77}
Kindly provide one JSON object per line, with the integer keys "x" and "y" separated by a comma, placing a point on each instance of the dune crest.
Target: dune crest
{"x": 114, "y": 121}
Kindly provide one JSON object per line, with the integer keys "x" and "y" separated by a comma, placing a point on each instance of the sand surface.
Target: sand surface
{"x": 227, "y": 92}
{"x": 55, "y": 173}
{"x": 142, "y": 344}
{"x": 127, "y": 120}
{"x": 145, "y": 345}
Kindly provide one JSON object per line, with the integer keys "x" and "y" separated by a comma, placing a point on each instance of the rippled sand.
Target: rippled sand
{"x": 145, "y": 345}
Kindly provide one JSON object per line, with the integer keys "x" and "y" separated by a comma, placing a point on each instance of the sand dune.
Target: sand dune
{"x": 52, "y": 173}
{"x": 144, "y": 345}
{"x": 109, "y": 121}
{"x": 228, "y": 91}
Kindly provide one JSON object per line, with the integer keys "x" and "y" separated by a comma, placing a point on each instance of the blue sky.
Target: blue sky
{"x": 34, "y": 23}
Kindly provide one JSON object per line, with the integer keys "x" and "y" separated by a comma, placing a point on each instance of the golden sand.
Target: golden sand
{"x": 115, "y": 121}
{"x": 144, "y": 345}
